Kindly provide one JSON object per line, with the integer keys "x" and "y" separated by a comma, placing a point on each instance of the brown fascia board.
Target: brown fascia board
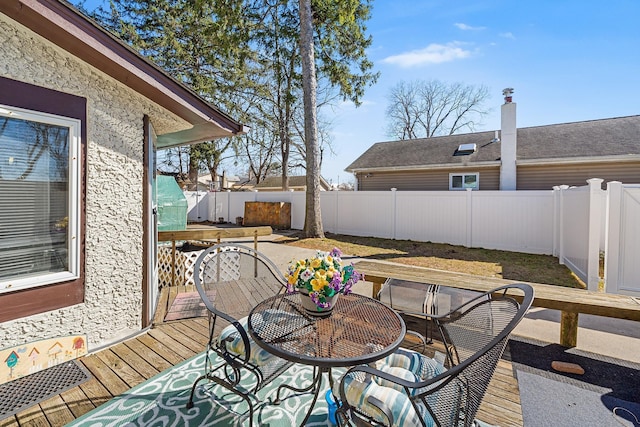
{"x": 412, "y": 168}
{"x": 63, "y": 25}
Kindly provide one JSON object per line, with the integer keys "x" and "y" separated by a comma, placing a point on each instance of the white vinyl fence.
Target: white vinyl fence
{"x": 520, "y": 221}
{"x": 570, "y": 223}
{"x": 622, "y": 269}
{"x": 580, "y": 234}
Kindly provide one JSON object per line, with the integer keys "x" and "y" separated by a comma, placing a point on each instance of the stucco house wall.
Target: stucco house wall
{"x": 114, "y": 178}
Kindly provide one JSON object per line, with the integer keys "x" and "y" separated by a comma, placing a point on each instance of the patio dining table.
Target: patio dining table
{"x": 360, "y": 330}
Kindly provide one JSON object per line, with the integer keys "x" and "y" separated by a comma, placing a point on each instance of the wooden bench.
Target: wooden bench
{"x": 569, "y": 301}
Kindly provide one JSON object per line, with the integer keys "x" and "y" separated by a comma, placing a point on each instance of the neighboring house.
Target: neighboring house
{"x": 296, "y": 183}
{"x": 81, "y": 115}
{"x": 244, "y": 183}
{"x": 534, "y": 158}
{"x": 205, "y": 183}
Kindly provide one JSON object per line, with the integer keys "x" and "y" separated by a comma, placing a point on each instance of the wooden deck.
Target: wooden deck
{"x": 120, "y": 367}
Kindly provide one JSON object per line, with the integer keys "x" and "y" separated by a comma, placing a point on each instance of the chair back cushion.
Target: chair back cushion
{"x": 231, "y": 340}
{"x": 369, "y": 397}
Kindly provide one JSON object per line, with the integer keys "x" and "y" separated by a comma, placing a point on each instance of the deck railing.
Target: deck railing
{"x": 209, "y": 235}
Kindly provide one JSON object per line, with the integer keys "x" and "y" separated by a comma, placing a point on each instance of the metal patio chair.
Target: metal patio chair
{"x": 231, "y": 279}
{"x": 410, "y": 389}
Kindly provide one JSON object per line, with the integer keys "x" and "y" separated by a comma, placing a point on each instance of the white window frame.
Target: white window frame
{"x": 73, "y": 227}
{"x": 464, "y": 175}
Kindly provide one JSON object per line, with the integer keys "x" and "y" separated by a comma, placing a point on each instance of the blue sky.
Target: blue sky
{"x": 567, "y": 60}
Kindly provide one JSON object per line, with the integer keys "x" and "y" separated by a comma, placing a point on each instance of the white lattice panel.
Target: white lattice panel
{"x": 229, "y": 268}
{"x": 185, "y": 263}
{"x": 184, "y": 267}
{"x": 188, "y": 262}
{"x": 164, "y": 266}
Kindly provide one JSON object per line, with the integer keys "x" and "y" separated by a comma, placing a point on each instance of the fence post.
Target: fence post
{"x": 212, "y": 195}
{"x": 229, "y": 206}
{"x": 394, "y": 208}
{"x": 612, "y": 244}
{"x": 469, "y": 239}
{"x": 336, "y": 213}
{"x": 563, "y": 188}
{"x": 556, "y": 221}
{"x": 595, "y": 226}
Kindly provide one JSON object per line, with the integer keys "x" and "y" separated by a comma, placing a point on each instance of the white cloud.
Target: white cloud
{"x": 508, "y": 35}
{"x": 465, "y": 27}
{"x": 432, "y": 54}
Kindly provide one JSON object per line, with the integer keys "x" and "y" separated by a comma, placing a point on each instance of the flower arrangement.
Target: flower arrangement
{"x": 322, "y": 277}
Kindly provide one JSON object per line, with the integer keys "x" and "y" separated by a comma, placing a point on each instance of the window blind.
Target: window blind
{"x": 34, "y": 198}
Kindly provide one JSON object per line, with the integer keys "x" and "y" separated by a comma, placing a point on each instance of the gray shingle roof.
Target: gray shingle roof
{"x": 594, "y": 138}
{"x": 276, "y": 181}
{"x": 294, "y": 181}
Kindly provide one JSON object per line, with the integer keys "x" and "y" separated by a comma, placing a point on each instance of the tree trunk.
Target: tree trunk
{"x": 193, "y": 174}
{"x": 313, "y": 217}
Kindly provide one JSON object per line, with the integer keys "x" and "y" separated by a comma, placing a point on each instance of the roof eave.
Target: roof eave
{"x": 63, "y": 25}
{"x": 469, "y": 165}
{"x": 198, "y": 133}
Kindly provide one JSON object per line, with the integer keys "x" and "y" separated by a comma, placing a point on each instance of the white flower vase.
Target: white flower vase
{"x": 312, "y": 309}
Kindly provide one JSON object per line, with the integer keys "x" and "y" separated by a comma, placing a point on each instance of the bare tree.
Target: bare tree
{"x": 259, "y": 148}
{"x": 423, "y": 109}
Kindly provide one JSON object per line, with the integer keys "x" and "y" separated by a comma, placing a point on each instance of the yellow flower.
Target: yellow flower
{"x": 319, "y": 283}
{"x": 293, "y": 278}
{"x": 316, "y": 263}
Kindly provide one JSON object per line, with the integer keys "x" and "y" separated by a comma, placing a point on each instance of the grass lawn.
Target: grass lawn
{"x": 482, "y": 262}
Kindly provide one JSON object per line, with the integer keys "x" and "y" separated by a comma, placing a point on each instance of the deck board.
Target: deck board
{"x": 157, "y": 347}
{"x": 123, "y": 370}
{"x": 77, "y": 401}
{"x": 95, "y": 391}
{"x": 139, "y": 364}
{"x": 32, "y": 417}
{"x": 127, "y": 364}
{"x": 149, "y": 355}
{"x": 181, "y": 350}
{"x": 56, "y": 411}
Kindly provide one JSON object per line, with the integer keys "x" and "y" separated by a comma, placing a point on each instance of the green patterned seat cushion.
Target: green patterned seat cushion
{"x": 235, "y": 345}
{"x": 366, "y": 392}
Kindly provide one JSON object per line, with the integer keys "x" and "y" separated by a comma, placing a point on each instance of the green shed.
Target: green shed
{"x": 172, "y": 205}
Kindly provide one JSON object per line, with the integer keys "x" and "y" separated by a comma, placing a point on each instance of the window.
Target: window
{"x": 462, "y": 181}
{"x": 39, "y": 198}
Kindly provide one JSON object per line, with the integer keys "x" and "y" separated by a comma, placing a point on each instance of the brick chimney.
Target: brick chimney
{"x": 508, "y": 142}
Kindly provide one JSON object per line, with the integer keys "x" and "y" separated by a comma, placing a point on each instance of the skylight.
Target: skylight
{"x": 466, "y": 149}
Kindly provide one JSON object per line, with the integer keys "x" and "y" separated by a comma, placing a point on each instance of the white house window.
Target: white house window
{"x": 462, "y": 181}
{"x": 39, "y": 199}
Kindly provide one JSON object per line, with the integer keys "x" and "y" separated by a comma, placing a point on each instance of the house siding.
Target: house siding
{"x": 423, "y": 180}
{"x": 545, "y": 177}
{"x": 112, "y": 306}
